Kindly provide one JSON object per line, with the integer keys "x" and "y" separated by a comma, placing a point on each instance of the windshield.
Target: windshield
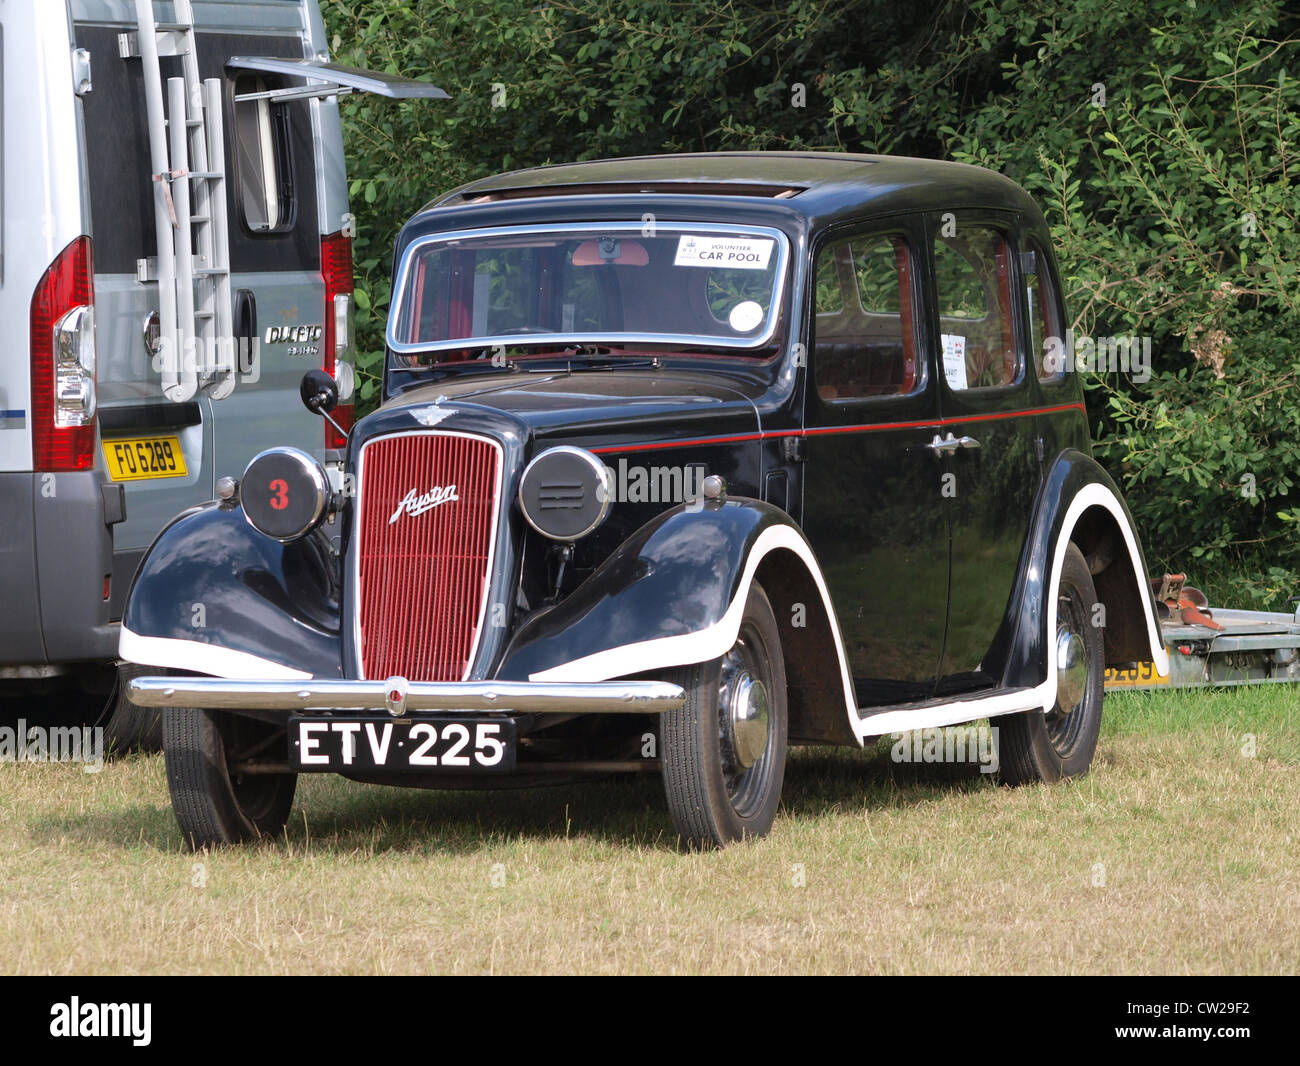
{"x": 534, "y": 290}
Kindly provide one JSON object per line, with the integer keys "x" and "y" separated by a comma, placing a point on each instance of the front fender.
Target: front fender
{"x": 215, "y": 596}
{"x": 673, "y": 594}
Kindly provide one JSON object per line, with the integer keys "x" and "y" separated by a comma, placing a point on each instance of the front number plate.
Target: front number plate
{"x": 341, "y": 745}
{"x": 141, "y": 458}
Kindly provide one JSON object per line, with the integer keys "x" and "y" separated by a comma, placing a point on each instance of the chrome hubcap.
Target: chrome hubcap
{"x": 1071, "y": 670}
{"x": 748, "y": 717}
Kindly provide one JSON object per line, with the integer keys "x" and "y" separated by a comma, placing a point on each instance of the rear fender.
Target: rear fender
{"x": 1080, "y": 503}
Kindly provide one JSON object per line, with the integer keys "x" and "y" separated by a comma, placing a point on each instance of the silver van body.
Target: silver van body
{"x": 75, "y": 162}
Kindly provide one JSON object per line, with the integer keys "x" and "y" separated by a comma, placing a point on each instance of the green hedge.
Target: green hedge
{"x": 1159, "y": 137}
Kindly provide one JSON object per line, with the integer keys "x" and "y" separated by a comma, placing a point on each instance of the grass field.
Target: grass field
{"x": 1177, "y": 854}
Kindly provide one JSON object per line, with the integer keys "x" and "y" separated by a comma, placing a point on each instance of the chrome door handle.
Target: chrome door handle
{"x": 943, "y": 445}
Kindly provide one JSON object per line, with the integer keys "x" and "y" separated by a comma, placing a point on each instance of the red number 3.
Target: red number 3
{"x": 279, "y": 494}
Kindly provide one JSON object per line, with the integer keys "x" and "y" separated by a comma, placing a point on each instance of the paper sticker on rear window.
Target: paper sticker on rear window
{"x": 745, "y": 253}
{"x": 954, "y": 360}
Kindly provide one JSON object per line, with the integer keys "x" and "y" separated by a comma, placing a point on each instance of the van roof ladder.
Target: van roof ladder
{"x": 187, "y": 150}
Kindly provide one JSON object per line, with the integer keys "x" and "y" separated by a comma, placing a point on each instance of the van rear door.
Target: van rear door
{"x": 281, "y": 153}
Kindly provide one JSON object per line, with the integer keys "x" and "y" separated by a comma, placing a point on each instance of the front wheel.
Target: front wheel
{"x": 723, "y": 752}
{"x": 217, "y": 774}
{"x": 1047, "y": 747}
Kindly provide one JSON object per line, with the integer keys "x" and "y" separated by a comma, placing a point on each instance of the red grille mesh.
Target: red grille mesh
{"x": 422, "y": 576}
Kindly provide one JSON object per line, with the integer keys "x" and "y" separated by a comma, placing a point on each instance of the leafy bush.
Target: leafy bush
{"x": 1159, "y": 137}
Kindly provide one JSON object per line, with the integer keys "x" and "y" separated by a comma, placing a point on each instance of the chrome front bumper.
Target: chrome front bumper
{"x": 397, "y": 696}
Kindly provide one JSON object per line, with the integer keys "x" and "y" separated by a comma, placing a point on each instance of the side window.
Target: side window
{"x": 262, "y": 159}
{"x": 973, "y": 280}
{"x": 864, "y": 341}
{"x": 1043, "y": 314}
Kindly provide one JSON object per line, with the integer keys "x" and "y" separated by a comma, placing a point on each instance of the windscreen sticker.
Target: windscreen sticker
{"x": 746, "y": 316}
{"x": 954, "y": 360}
{"x": 745, "y": 253}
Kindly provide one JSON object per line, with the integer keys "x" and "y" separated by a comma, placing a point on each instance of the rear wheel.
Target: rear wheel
{"x": 217, "y": 795}
{"x": 1061, "y": 743}
{"x": 723, "y": 753}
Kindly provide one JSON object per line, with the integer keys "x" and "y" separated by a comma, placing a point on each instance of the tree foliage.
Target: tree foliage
{"x": 1159, "y": 137}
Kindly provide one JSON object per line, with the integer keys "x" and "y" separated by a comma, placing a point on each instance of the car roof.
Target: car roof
{"x": 821, "y": 186}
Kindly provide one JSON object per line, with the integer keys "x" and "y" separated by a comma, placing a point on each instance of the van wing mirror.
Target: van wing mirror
{"x": 330, "y": 79}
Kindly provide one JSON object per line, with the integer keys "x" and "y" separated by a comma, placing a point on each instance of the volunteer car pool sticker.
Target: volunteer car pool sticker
{"x": 954, "y": 360}
{"x": 747, "y": 253}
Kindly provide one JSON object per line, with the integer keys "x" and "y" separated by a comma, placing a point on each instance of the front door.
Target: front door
{"x": 872, "y": 505}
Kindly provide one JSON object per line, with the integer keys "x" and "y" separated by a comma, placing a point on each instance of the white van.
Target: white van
{"x": 163, "y": 287}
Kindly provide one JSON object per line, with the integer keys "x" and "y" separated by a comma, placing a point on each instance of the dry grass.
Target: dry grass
{"x": 906, "y": 869}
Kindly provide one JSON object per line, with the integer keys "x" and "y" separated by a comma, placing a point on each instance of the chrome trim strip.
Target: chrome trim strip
{"x": 773, "y": 314}
{"x": 611, "y": 697}
{"x": 490, "y": 566}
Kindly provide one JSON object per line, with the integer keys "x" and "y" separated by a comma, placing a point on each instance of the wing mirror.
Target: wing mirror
{"x": 320, "y": 395}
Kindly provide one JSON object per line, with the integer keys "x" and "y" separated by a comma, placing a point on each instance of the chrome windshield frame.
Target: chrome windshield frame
{"x": 628, "y": 339}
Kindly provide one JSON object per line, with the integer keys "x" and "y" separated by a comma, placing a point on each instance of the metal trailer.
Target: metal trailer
{"x": 1253, "y": 647}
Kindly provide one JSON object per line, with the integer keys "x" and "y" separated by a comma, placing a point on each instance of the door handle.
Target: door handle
{"x": 246, "y": 329}
{"x": 943, "y": 445}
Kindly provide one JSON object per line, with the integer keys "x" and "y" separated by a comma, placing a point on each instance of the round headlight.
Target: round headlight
{"x": 284, "y": 493}
{"x": 565, "y": 493}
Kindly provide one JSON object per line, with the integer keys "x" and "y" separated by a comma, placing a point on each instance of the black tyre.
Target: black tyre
{"x": 215, "y": 801}
{"x": 1047, "y": 747}
{"x": 128, "y": 727}
{"x": 723, "y": 753}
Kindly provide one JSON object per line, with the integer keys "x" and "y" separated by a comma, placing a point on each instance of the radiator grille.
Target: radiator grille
{"x": 427, "y": 516}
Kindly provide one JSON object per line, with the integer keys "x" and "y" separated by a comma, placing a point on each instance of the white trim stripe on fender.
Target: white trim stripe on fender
{"x": 194, "y": 656}
{"x": 715, "y": 640}
{"x": 1042, "y": 697}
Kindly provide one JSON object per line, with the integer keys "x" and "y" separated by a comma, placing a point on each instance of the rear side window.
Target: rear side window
{"x": 973, "y": 279}
{"x": 263, "y": 163}
{"x": 864, "y": 340}
{"x": 1042, "y": 304}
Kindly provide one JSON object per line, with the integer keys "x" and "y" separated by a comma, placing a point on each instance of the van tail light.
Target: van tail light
{"x": 336, "y": 268}
{"x": 63, "y": 362}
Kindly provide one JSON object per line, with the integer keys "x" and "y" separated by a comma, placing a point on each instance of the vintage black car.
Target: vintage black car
{"x": 681, "y": 461}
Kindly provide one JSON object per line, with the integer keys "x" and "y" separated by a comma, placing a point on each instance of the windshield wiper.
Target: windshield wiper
{"x": 633, "y": 363}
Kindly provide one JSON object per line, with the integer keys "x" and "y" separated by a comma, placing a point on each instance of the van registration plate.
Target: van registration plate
{"x": 141, "y": 458}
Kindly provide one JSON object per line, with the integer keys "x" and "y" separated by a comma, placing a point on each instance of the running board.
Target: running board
{"x": 942, "y": 711}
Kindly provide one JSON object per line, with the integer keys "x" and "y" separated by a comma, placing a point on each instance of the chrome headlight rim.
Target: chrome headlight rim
{"x": 320, "y": 484}
{"x": 604, "y": 492}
